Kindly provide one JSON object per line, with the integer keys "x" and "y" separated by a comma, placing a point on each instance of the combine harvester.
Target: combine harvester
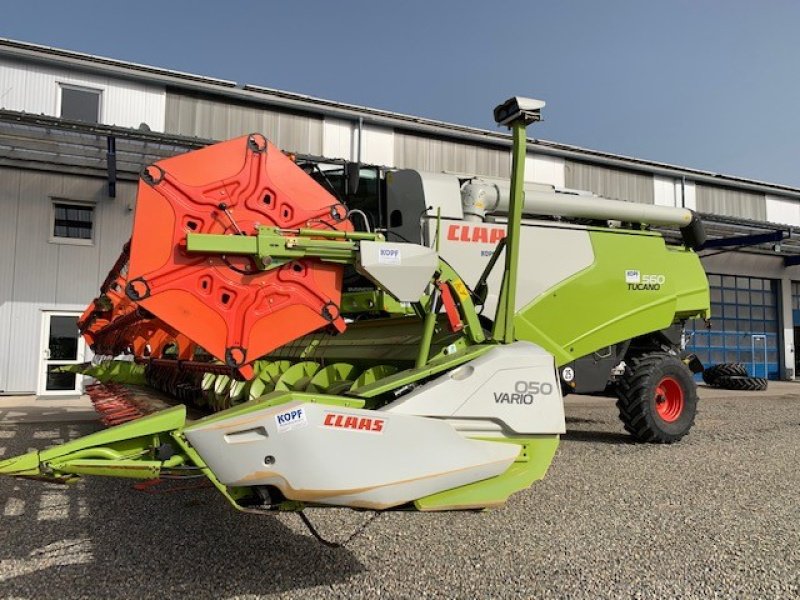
{"x": 403, "y": 393}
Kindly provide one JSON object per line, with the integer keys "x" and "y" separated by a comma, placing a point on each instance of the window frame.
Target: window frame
{"x": 54, "y": 239}
{"x": 81, "y": 88}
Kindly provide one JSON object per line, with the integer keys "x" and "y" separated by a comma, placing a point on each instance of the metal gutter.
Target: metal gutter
{"x": 90, "y": 62}
{"x": 46, "y": 121}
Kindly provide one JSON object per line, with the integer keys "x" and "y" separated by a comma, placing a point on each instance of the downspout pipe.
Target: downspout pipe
{"x": 515, "y": 113}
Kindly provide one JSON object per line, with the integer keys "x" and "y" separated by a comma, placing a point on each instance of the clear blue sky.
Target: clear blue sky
{"x": 709, "y": 84}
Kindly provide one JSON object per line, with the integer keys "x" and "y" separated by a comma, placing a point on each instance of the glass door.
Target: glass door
{"x": 758, "y": 347}
{"x": 62, "y": 345}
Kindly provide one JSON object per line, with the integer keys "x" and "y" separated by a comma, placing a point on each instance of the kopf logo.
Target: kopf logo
{"x": 389, "y": 256}
{"x": 291, "y": 419}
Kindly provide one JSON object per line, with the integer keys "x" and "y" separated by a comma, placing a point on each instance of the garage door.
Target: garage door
{"x": 744, "y": 325}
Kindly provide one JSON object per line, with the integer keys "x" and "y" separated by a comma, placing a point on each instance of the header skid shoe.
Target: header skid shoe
{"x": 228, "y": 305}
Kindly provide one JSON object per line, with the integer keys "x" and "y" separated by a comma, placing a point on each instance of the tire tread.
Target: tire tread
{"x": 712, "y": 373}
{"x": 633, "y": 398}
{"x": 739, "y": 383}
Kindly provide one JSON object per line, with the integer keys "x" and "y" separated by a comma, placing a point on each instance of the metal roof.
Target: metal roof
{"x": 25, "y": 49}
{"x": 311, "y": 104}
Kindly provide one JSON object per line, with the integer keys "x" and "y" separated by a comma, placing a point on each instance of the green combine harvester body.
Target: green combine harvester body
{"x": 435, "y": 382}
{"x": 603, "y": 309}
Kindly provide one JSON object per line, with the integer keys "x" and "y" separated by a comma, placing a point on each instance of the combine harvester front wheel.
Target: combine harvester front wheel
{"x": 657, "y": 398}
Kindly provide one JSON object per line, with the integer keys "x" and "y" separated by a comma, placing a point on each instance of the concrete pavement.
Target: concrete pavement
{"x": 33, "y": 409}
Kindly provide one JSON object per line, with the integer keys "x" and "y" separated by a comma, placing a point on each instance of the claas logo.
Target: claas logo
{"x": 478, "y": 234}
{"x": 340, "y": 421}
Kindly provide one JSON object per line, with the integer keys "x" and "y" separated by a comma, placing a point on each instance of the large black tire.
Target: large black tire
{"x": 736, "y": 382}
{"x": 657, "y": 398}
{"x": 711, "y": 374}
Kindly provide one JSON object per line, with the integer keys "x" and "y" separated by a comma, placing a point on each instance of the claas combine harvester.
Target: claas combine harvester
{"x": 417, "y": 388}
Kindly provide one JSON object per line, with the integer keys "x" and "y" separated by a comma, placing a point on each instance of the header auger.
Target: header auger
{"x": 414, "y": 389}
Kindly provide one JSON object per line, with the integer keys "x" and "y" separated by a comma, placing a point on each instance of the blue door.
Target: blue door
{"x": 744, "y": 325}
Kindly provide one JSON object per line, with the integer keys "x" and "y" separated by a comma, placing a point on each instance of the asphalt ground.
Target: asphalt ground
{"x": 716, "y": 515}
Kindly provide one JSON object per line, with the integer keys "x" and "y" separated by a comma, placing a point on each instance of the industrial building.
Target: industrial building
{"x": 76, "y": 130}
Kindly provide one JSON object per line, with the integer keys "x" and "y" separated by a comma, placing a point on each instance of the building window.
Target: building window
{"x": 80, "y": 104}
{"x": 72, "y": 223}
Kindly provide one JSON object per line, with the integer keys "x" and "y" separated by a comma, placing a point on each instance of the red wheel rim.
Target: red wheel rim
{"x": 669, "y": 399}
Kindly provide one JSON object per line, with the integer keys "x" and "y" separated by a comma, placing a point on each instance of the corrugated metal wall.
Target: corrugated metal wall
{"x": 35, "y": 89}
{"x": 39, "y": 275}
{"x": 413, "y": 151}
{"x": 731, "y": 203}
{"x": 221, "y": 120}
{"x": 618, "y": 184}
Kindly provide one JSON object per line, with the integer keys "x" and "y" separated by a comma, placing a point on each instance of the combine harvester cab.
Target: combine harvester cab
{"x": 230, "y": 295}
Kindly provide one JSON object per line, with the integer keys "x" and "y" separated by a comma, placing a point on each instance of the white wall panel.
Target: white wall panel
{"x": 340, "y": 140}
{"x": 545, "y": 169}
{"x": 9, "y": 212}
{"x": 689, "y": 195}
{"x": 37, "y": 274}
{"x": 35, "y": 89}
{"x": 76, "y": 271}
{"x": 377, "y": 147}
{"x": 664, "y": 191}
{"x": 337, "y": 138}
{"x": 114, "y": 224}
{"x": 34, "y": 278}
{"x": 667, "y": 192}
{"x": 783, "y": 210}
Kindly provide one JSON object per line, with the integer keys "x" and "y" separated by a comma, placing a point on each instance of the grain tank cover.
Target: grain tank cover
{"x": 484, "y": 195}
